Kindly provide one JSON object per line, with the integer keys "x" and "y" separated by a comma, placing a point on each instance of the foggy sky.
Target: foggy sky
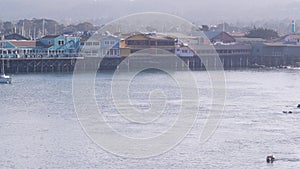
{"x": 206, "y": 11}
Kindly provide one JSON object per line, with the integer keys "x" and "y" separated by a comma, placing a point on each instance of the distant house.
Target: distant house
{"x": 110, "y": 46}
{"x": 292, "y": 39}
{"x": 151, "y": 40}
{"x": 219, "y": 36}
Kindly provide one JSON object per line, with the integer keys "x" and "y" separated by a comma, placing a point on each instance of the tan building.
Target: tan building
{"x": 145, "y": 41}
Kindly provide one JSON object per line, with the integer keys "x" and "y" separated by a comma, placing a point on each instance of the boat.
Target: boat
{"x": 4, "y": 78}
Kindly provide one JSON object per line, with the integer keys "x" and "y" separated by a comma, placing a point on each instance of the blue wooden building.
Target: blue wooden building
{"x": 110, "y": 46}
{"x": 58, "y": 46}
{"x": 47, "y": 46}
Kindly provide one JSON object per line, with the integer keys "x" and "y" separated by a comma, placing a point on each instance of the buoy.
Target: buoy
{"x": 270, "y": 159}
{"x": 298, "y": 106}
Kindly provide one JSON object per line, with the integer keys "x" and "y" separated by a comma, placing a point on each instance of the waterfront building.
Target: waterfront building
{"x": 16, "y": 48}
{"x": 213, "y": 37}
{"x": 291, "y": 39}
{"x": 58, "y": 46}
{"x": 183, "y": 50}
{"x": 276, "y": 54}
{"x": 142, "y": 41}
{"x": 90, "y": 47}
{"x": 110, "y": 46}
{"x": 219, "y": 37}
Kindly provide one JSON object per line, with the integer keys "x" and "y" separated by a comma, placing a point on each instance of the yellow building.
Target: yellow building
{"x": 145, "y": 41}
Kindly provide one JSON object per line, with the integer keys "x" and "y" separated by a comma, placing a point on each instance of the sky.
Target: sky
{"x": 205, "y": 11}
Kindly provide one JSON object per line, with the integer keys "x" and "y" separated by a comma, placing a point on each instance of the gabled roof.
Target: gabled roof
{"x": 212, "y": 34}
{"x": 15, "y": 36}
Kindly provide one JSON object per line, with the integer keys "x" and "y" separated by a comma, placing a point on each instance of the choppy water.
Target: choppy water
{"x": 39, "y": 126}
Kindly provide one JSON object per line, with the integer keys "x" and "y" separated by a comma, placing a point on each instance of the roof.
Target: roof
{"x": 110, "y": 37}
{"x": 245, "y": 39}
{"x": 237, "y": 34}
{"x": 40, "y": 44}
{"x": 159, "y": 37}
{"x": 15, "y": 36}
{"x": 234, "y": 47}
{"x": 283, "y": 38}
{"x": 117, "y": 45}
{"x": 294, "y": 36}
{"x": 153, "y": 36}
{"x": 50, "y": 36}
{"x": 279, "y": 44}
{"x": 23, "y": 43}
{"x": 212, "y": 34}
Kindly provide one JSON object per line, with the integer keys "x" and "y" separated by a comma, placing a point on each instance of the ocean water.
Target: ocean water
{"x": 39, "y": 127}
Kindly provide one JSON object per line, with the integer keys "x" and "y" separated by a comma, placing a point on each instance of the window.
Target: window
{"x": 138, "y": 42}
{"x": 89, "y": 43}
{"x": 184, "y": 51}
{"x": 165, "y": 43}
{"x": 152, "y": 43}
{"x": 96, "y": 43}
{"x": 61, "y": 42}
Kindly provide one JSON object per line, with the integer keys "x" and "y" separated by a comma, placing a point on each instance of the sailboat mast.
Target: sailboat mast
{"x": 2, "y": 61}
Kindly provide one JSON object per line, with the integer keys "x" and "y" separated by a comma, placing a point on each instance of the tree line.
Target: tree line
{"x": 35, "y": 28}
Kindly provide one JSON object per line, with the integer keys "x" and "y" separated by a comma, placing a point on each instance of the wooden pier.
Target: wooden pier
{"x": 55, "y": 65}
{"x": 66, "y": 65}
{"x": 38, "y": 65}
